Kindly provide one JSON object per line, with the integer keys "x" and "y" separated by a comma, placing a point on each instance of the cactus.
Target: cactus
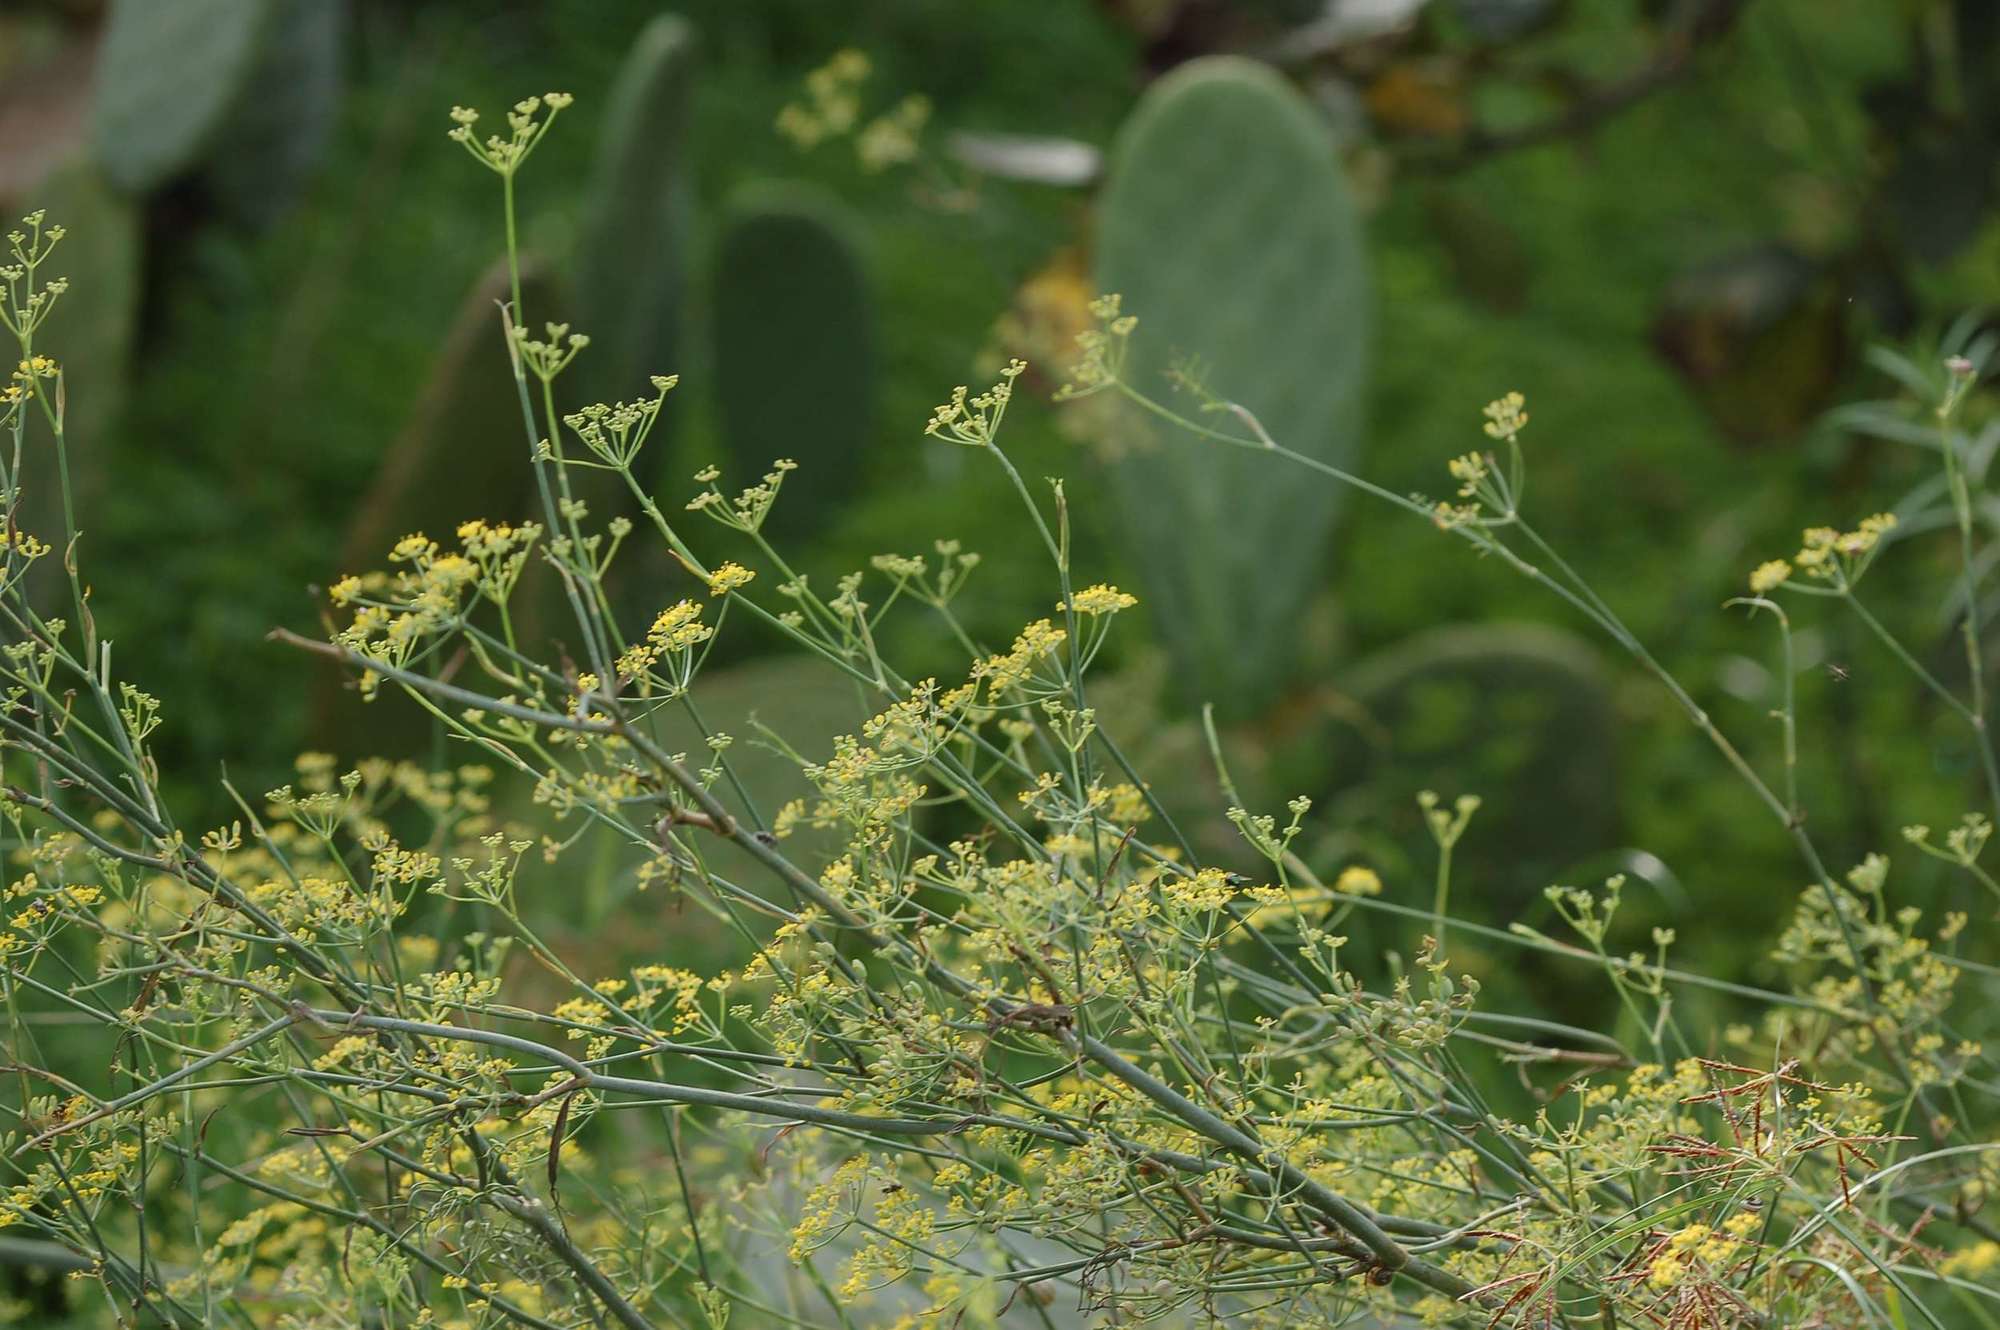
{"x": 631, "y": 261}
{"x": 463, "y": 454}
{"x": 1519, "y": 714}
{"x": 279, "y": 125}
{"x": 168, "y": 75}
{"x": 1227, "y": 226}
{"x": 794, "y": 345}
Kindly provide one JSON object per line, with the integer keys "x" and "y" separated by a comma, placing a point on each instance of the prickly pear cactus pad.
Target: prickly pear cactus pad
{"x": 1227, "y": 226}
{"x": 631, "y": 257}
{"x": 795, "y": 367}
{"x": 167, "y": 75}
{"x": 275, "y": 134}
{"x": 1522, "y": 713}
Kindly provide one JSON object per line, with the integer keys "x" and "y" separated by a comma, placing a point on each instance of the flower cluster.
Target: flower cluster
{"x": 1828, "y": 555}
{"x": 749, "y": 509}
{"x": 1009, "y": 1027}
{"x": 831, "y": 109}
{"x": 617, "y": 432}
{"x": 975, "y": 420}
{"x": 664, "y": 658}
{"x": 27, "y": 300}
{"x": 1099, "y": 599}
{"x": 1506, "y": 417}
{"x": 527, "y": 122}
{"x": 397, "y": 614}
{"x": 1101, "y": 349}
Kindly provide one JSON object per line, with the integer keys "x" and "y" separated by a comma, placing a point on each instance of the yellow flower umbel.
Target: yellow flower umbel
{"x": 1768, "y": 576}
{"x": 1470, "y": 471}
{"x": 1506, "y": 417}
{"x": 1355, "y": 880}
{"x": 617, "y": 431}
{"x": 1100, "y": 599}
{"x": 895, "y": 136}
{"x": 1101, "y": 349}
{"x": 749, "y": 509}
{"x": 527, "y": 122}
{"x": 832, "y": 102}
{"x": 974, "y": 421}
{"x": 1491, "y": 483}
{"x": 665, "y": 659}
{"x": 831, "y": 109}
{"x": 727, "y": 578}
{"x": 1827, "y": 555}
{"x": 26, "y": 300}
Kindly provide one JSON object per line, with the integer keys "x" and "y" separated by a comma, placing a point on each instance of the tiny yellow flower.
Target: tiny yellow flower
{"x": 1100, "y": 599}
{"x": 1355, "y": 880}
{"x": 1506, "y": 416}
{"x": 1976, "y": 1262}
{"x": 1768, "y": 575}
{"x": 1469, "y": 471}
{"x": 727, "y": 578}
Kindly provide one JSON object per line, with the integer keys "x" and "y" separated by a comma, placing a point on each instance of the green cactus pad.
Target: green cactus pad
{"x": 1520, "y": 714}
{"x": 631, "y": 261}
{"x": 278, "y": 129}
{"x": 794, "y": 345}
{"x": 1227, "y": 226}
{"x": 168, "y": 74}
